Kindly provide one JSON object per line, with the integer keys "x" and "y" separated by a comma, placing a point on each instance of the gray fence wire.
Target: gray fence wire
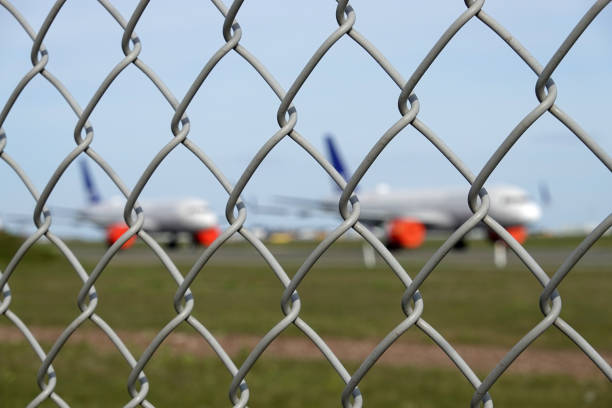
{"x": 236, "y": 211}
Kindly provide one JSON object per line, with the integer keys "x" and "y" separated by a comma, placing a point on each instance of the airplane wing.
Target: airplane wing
{"x": 305, "y": 206}
{"x": 268, "y": 209}
{"x": 62, "y": 214}
{"x": 431, "y": 219}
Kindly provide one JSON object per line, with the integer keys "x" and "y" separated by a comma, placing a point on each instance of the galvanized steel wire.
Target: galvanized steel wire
{"x": 236, "y": 210}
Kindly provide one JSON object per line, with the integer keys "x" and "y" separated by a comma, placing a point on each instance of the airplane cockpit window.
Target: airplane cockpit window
{"x": 195, "y": 209}
{"x": 515, "y": 199}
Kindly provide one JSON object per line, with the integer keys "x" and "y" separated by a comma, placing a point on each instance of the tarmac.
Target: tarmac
{"x": 347, "y": 253}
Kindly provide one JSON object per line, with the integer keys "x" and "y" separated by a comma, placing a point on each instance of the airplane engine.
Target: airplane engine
{"x": 207, "y": 236}
{"x": 518, "y": 232}
{"x": 115, "y": 231}
{"x": 406, "y": 233}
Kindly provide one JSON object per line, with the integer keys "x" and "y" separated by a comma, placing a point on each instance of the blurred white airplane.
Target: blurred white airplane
{"x": 404, "y": 216}
{"x": 172, "y": 215}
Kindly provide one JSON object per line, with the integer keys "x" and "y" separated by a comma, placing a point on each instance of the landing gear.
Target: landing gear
{"x": 461, "y": 245}
{"x": 195, "y": 242}
{"x": 369, "y": 256}
{"x": 500, "y": 254}
{"x": 173, "y": 241}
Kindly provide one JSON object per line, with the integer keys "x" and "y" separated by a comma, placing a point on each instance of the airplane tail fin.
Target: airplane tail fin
{"x": 334, "y": 157}
{"x": 93, "y": 197}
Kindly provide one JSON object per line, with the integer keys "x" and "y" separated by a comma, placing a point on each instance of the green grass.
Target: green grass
{"x": 10, "y": 244}
{"x": 88, "y": 377}
{"x": 468, "y": 301}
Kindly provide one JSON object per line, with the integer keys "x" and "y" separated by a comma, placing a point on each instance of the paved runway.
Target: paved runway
{"x": 350, "y": 253}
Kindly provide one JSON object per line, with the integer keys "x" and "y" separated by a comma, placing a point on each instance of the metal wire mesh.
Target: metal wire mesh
{"x": 236, "y": 211}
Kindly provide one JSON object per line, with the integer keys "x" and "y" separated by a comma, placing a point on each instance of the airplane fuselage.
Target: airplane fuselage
{"x": 445, "y": 208}
{"x": 170, "y": 215}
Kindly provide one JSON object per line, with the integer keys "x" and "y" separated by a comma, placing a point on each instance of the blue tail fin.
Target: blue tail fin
{"x": 334, "y": 157}
{"x": 92, "y": 193}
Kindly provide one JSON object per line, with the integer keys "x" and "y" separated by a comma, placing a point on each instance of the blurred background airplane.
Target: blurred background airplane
{"x": 172, "y": 216}
{"x": 403, "y": 217}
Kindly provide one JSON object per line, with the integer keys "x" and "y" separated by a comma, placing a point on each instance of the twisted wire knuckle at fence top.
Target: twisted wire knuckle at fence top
{"x": 236, "y": 211}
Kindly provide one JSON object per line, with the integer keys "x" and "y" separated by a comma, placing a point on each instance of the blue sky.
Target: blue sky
{"x": 472, "y": 96}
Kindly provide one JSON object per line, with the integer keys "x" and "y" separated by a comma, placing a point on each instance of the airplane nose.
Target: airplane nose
{"x": 532, "y": 213}
{"x": 208, "y": 219}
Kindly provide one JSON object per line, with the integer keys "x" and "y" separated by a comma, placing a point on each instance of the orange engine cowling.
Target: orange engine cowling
{"x": 207, "y": 236}
{"x": 115, "y": 231}
{"x": 406, "y": 233}
{"x": 518, "y": 232}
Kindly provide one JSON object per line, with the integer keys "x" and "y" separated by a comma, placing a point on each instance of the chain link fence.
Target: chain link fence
{"x": 236, "y": 210}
